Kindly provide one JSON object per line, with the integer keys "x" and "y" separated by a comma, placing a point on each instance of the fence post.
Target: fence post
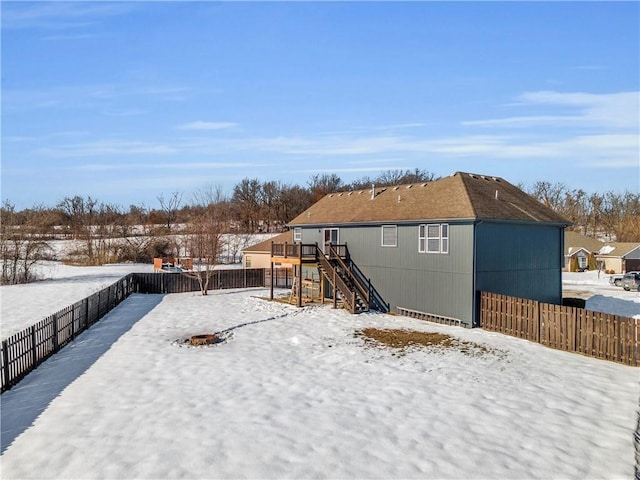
{"x": 86, "y": 313}
{"x": 34, "y": 354}
{"x": 55, "y": 332}
{"x": 73, "y": 321}
{"x": 5, "y": 366}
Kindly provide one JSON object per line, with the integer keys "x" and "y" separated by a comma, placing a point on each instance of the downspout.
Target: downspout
{"x": 475, "y": 320}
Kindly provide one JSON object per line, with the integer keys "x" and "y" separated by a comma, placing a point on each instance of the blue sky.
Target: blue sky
{"x": 126, "y": 101}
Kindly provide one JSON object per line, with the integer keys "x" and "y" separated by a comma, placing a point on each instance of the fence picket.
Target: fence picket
{"x": 595, "y": 334}
{"x": 25, "y": 350}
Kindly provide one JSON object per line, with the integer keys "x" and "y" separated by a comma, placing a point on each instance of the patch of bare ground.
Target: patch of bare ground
{"x": 402, "y": 340}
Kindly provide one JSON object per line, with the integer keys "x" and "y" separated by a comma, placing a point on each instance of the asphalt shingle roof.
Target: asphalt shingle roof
{"x": 573, "y": 241}
{"x": 265, "y": 246}
{"x": 459, "y": 196}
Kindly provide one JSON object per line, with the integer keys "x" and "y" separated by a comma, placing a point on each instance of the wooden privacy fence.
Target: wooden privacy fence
{"x": 283, "y": 277}
{"x": 595, "y": 334}
{"x": 183, "y": 283}
{"x": 24, "y": 351}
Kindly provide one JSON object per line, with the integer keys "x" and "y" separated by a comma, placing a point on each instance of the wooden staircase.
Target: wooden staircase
{"x": 354, "y": 295}
{"x": 348, "y": 282}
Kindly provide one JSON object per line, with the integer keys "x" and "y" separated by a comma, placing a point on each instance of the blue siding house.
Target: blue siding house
{"x": 430, "y": 249}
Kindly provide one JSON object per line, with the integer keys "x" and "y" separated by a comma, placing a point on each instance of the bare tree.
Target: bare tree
{"x": 203, "y": 240}
{"x": 170, "y": 207}
{"x": 246, "y": 201}
{"x": 321, "y": 184}
{"x": 550, "y": 194}
{"x": 621, "y": 215}
{"x": 80, "y": 215}
{"x": 292, "y": 202}
{"x": 271, "y": 192}
{"x": 21, "y": 243}
{"x": 235, "y": 243}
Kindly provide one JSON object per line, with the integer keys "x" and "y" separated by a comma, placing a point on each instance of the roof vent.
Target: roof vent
{"x": 398, "y": 198}
{"x": 340, "y": 194}
{"x": 472, "y": 175}
{"x": 373, "y": 191}
{"x": 409, "y": 186}
{"x": 496, "y": 194}
{"x": 424, "y": 185}
{"x": 395, "y": 188}
{"x": 350, "y": 193}
{"x": 330, "y": 195}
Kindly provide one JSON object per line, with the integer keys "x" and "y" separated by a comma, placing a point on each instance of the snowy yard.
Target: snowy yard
{"x": 296, "y": 393}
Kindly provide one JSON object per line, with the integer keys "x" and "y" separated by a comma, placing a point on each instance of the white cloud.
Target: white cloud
{"x": 613, "y": 110}
{"x": 182, "y": 167}
{"x": 200, "y": 125}
{"x": 59, "y": 15}
{"x": 90, "y": 96}
{"x": 107, "y": 147}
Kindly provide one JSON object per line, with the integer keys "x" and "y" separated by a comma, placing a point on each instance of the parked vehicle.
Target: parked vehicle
{"x": 617, "y": 279}
{"x": 631, "y": 281}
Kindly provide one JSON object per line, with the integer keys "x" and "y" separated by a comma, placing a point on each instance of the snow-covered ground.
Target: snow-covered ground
{"x": 600, "y": 295}
{"x": 294, "y": 393}
{"x": 24, "y": 305}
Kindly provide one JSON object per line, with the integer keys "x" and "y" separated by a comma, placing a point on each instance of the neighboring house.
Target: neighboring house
{"x": 620, "y": 257}
{"x": 433, "y": 247}
{"x": 259, "y": 255}
{"x": 578, "y": 249}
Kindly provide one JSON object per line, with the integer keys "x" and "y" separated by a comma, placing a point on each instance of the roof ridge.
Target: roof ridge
{"x": 466, "y": 191}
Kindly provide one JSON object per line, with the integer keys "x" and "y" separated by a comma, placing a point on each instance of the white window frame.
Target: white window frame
{"x": 395, "y": 235}
{"x": 442, "y": 238}
{"x": 297, "y": 234}
{"x": 422, "y": 238}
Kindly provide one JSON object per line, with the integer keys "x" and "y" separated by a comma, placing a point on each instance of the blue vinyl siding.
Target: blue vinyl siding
{"x": 520, "y": 260}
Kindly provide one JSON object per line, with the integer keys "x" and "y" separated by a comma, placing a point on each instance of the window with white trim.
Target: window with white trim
{"x": 297, "y": 234}
{"x": 433, "y": 238}
{"x": 389, "y": 235}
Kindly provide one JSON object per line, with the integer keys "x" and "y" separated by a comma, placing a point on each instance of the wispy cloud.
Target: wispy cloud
{"x": 614, "y": 110}
{"x": 59, "y": 15}
{"x": 106, "y": 147}
{"x": 182, "y": 167}
{"x": 89, "y": 96}
{"x": 200, "y": 125}
{"x": 360, "y": 169}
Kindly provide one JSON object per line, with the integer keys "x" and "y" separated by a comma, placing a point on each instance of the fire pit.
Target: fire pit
{"x": 205, "y": 339}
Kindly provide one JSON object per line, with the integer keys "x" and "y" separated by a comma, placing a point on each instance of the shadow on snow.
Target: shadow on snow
{"x": 26, "y": 401}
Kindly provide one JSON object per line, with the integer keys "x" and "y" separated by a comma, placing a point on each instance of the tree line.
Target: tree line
{"x": 195, "y": 226}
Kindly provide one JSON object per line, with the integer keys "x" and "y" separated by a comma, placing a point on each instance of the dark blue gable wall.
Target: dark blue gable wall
{"x": 520, "y": 260}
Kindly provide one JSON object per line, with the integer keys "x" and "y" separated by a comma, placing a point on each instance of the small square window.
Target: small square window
{"x": 297, "y": 234}
{"x": 389, "y": 236}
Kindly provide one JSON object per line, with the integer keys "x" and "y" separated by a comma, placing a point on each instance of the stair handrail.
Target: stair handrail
{"x": 356, "y": 282}
{"x": 347, "y": 295}
{"x": 374, "y": 295}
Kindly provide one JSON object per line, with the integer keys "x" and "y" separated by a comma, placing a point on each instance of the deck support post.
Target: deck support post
{"x": 272, "y": 272}
{"x": 335, "y": 290}
{"x": 300, "y": 276}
